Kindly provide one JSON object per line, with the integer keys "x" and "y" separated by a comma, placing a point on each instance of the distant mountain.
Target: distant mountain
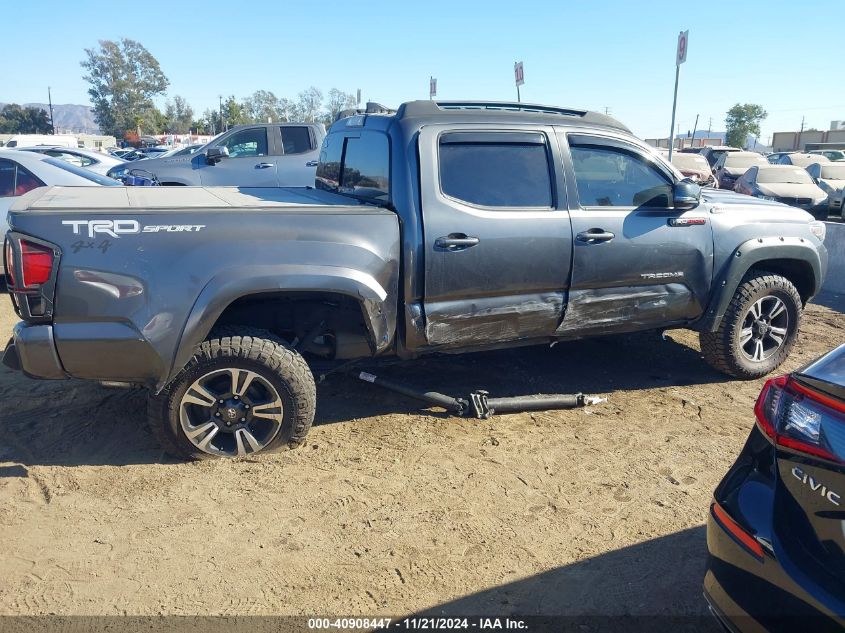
{"x": 76, "y": 119}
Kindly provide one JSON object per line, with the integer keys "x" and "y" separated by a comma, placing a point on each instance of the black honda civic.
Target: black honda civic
{"x": 776, "y": 527}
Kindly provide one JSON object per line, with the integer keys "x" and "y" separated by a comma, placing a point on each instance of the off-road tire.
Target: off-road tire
{"x": 243, "y": 348}
{"x": 722, "y": 349}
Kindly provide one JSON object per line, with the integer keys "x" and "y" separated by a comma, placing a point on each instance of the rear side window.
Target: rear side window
{"x": 357, "y": 166}
{"x": 296, "y": 139}
{"x": 15, "y": 180}
{"x": 496, "y": 169}
{"x": 366, "y": 167}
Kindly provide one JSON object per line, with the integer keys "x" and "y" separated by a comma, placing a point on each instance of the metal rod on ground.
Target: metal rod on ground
{"x": 432, "y": 397}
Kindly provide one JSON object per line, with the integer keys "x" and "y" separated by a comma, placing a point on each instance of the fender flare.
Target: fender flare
{"x": 241, "y": 282}
{"x": 745, "y": 257}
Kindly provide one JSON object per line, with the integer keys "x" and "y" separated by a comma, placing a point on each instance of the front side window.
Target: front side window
{"x": 245, "y": 143}
{"x": 609, "y": 176}
{"x": 496, "y": 169}
{"x": 296, "y": 139}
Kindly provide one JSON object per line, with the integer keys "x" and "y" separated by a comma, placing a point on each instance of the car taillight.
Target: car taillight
{"x": 36, "y": 264}
{"x": 10, "y": 262}
{"x": 800, "y": 418}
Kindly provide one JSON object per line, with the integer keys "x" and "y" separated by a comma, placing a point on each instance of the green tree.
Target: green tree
{"x": 261, "y": 107}
{"x": 15, "y": 119}
{"x": 743, "y": 120}
{"x": 233, "y": 113}
{"x": 124, "y": 78}
{"x": 179, "y": 115}
{"x": 309, "y": 104}
{"x": 336, "y": 102}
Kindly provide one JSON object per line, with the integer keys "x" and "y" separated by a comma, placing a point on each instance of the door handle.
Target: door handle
{"x": 456, "y": 242}
{"x": 312, "y": 163}
{"x": 594, "y": 236}
{"x": 264, "y": 165}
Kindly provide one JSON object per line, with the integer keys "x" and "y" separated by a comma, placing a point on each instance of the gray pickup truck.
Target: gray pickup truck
{"x": 254, "y": 155}
{"x": 441, "y": 227}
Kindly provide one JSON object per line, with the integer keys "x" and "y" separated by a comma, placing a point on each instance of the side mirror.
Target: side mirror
{"x": 214, "y": 155}
{"x": 686, "y": 194}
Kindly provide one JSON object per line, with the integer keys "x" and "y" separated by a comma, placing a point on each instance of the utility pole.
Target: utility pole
{"x": 220, "y": 97}
{"x": 607, "y": 110}
{"x": 694, "y": 128}
{"x": 50, "y": 101}
{"x": 798, "y": 140}
{"x": 710, "y": 127}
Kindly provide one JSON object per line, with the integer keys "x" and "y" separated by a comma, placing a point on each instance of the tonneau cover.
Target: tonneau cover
{"x": 151, "y": 198}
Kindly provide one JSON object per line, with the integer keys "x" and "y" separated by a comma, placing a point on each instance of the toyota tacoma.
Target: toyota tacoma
{"x": 440, "y": 227}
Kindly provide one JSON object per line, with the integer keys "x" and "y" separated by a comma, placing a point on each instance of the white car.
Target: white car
{"x": 830, "y": 177}
{"x": 90, "y": 160}
{"x": 21, "y": 172}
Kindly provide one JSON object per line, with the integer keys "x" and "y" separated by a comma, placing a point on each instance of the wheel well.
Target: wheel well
{"x": 327, "y": 325}
{"x": 799, "y": 272}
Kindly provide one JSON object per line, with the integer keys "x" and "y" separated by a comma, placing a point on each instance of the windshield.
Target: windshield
{"x": 794, "y": 176}
{"x": 735, "y": 159}
{"x": 690, "y": 161}
{"x": 833, "y": 172}
{"x": 82, "y": 173}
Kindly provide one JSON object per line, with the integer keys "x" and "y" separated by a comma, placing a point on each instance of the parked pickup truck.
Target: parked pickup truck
{"x": 255, "y": 155}
{"x": 441, "y": 227}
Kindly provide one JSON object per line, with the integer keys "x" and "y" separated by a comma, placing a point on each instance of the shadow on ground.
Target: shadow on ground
{"x": 652, "y": 586}
{"x": 75, "y": 422}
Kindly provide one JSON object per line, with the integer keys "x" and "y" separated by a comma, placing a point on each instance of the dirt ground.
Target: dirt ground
{"x": 388, "y": 509}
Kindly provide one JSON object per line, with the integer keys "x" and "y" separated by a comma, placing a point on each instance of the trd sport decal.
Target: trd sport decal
{"x": 116, "y": 228}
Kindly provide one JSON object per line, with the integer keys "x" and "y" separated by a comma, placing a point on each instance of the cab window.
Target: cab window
{"x": 496, "y": 169}
{"x": 610, "y": 176}
{"x": 245, "y": 143}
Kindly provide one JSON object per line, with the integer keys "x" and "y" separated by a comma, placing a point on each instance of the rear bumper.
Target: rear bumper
{"x": 776, "y": 593}
{"x": 32, "y": 350}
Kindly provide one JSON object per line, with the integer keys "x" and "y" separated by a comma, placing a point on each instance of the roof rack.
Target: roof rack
{"x": 433, "y": 108}
{"x": 371, "y": 108}
{"x": 507, "y": 105}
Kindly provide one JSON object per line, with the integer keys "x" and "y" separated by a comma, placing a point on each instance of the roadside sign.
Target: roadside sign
{"x": 518, "y": 74}
{"x": 432, "y": 87}
{"x": 683, "y": 45}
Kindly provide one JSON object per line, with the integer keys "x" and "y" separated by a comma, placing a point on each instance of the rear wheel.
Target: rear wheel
{"x": 239, "y": 395}
{"x": 759, "y": 328}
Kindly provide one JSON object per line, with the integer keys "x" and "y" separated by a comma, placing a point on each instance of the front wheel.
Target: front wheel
{"x": 239, "y": 395}
{"x": 759, "y": 328}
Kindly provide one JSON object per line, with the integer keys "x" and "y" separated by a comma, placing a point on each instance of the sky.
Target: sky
{"x": 781, "y": 54}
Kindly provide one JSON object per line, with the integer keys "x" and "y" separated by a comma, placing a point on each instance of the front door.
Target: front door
{"x": 497, "y": 234}
{"x": 637, "y": 263}
{"x": 250, "y": 163}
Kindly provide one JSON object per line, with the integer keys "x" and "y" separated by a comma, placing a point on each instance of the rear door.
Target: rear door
{"x": 299, "y": 154}
{"x": 497, "y": 234}
{"x": 637, "y": 262}
{"x": 250, "y": 162}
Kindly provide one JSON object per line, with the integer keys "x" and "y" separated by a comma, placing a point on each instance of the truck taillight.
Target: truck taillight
{"x": 10, "y": 262}
{"x": 36, "y": 264}
{"x": 802, "y": 419}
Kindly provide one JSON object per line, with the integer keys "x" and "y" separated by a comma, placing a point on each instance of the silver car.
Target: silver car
{"x": 90, "y": 160}
{"x": 786, "y": 184}
{"x": 21, "y": 172}
{"x": 254, "y": 155}
{"x": 830, "y": 177}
